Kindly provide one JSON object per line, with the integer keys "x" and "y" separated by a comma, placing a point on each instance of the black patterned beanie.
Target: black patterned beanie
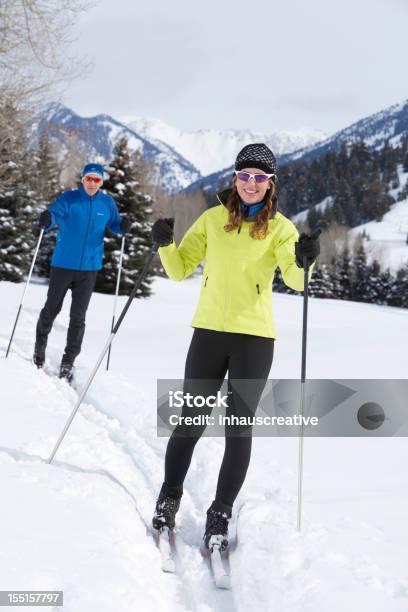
{"x": 257, "y": 155}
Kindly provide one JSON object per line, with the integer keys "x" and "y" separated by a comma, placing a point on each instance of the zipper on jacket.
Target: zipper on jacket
{"x": 206, "y": 279}
{"x": 86, "y": 233}
{"x": 257, "y": 288}
{"x": 239, "y": 229}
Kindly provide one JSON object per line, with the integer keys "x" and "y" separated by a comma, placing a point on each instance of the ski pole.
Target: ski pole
{"x": 122, "y": 248}
{"x": 106, "y": 347}
{"x": 303, "y": 379}
{"x": 25, "y": 290}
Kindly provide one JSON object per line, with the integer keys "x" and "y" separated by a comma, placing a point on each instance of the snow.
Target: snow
{"x": 79, "y": 524}
{"x": 210, "y": 150}
{"x": 388, "y": 237}
{"x": 373, "y": 130}
{"x": 402, "y": 181}
{"x": 321, "y": 207}
{"x": 173, "y": 172}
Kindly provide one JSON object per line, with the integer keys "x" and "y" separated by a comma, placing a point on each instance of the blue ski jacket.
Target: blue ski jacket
{"x": 82, "y": 220}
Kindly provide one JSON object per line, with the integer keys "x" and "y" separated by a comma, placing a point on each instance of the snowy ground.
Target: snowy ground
{"x": 388, "y": 238}
{"x": 79, "y": 525}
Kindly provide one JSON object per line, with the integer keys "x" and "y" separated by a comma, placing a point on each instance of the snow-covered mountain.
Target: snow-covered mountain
{"x": 180, "y": 157}
{"x": 391, "y": 124}
{"x": 99, "y": 135}
{"x": 209, "y": 150}
{"x": 202, "y": 158}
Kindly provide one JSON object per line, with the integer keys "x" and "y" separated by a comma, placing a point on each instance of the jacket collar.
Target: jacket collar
{"x": 222, "y": 196}
{"x": 250, "y": 210}
{"x": 83, "y": 193}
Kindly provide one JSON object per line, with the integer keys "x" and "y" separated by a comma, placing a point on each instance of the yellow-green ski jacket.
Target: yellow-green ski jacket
{"x": 236, "y": 285}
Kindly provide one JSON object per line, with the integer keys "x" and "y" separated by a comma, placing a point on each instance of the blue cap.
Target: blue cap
{"x": 93, "y": 169}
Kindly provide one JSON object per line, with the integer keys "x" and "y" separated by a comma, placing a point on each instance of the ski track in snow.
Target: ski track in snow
{"x": 112, "y": 450}
{"x": 121, "y": 468}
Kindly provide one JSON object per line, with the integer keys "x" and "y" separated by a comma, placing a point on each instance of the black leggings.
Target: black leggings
{"x": 210, "y": 356}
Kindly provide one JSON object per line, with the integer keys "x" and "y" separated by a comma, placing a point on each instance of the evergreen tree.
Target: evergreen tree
{"x": 279, "y": 285}
{"x": 359, "y": 290}
{"x": 124, "y": 185}
{"x": 380, "y": 200}
{"x": 335, "y": 278}
{"x": 47, "y": 169}
{"x": 357, "y": 178}
{"x": 405, "y": 163}
{"x": 343, "y": 276}
{"x": 398, "y": 295}
{"x": 372, "y": 284}
{"x": 343, "y": 206}
{"x": 384, "y": 285}
{"x": 47, "y": 185}
{"x": 388, "y": 164}
{"x": 320, "y": 285}
{"x": 314, "y": 219}
{"x": 16, "y": 199}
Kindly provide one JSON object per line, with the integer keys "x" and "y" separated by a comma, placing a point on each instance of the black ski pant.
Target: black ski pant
{"x": 81, "y": 284}
{"x": 210, "y": 356}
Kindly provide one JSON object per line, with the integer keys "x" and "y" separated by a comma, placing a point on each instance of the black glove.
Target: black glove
{"x": 162, "y": 231}
{"x": 307, "y": 246}
{"x": 125, "y": 225}
{"x": 45, "y": 218}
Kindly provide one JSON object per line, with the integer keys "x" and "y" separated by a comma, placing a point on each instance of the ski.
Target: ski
{"x": 220, "y": 566}
{"x": 218, "y": 561}
{"x": 165, "y": 540}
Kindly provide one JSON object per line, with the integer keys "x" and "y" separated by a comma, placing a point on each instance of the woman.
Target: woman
{"x": 243, "y": 239}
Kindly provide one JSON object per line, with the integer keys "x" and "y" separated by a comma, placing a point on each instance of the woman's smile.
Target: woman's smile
{"x": 249, "y": 191}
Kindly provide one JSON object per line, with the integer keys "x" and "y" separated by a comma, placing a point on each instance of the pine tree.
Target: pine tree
{"x": 379, "y": 199}
{"x": 342, "y": 282}
{"x": 359, "y": 291}
{"x": 384, "y": 285}
{"x": 320, "y": 285}
{"x": 124, "y": 185}
{"x": 314, "y": 219}
{"x": 405, "y": 163}
{"x": 47, "y": 167}
{"x": 398, "y": 295}
{"x": 278, "y": 285}
{"x": 47, "y": 185}
{"x": 16, "y": 199}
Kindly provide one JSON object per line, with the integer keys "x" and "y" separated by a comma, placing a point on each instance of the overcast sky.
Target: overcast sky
{"x": 263, "y": 65}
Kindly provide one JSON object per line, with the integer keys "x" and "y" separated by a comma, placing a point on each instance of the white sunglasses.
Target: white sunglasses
{"x": 258, "y": 178}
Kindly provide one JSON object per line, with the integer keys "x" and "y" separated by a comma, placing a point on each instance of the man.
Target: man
{"x": 82, "y": 216}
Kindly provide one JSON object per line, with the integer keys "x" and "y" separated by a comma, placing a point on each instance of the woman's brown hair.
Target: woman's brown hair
{"x": 259, "y": 227}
